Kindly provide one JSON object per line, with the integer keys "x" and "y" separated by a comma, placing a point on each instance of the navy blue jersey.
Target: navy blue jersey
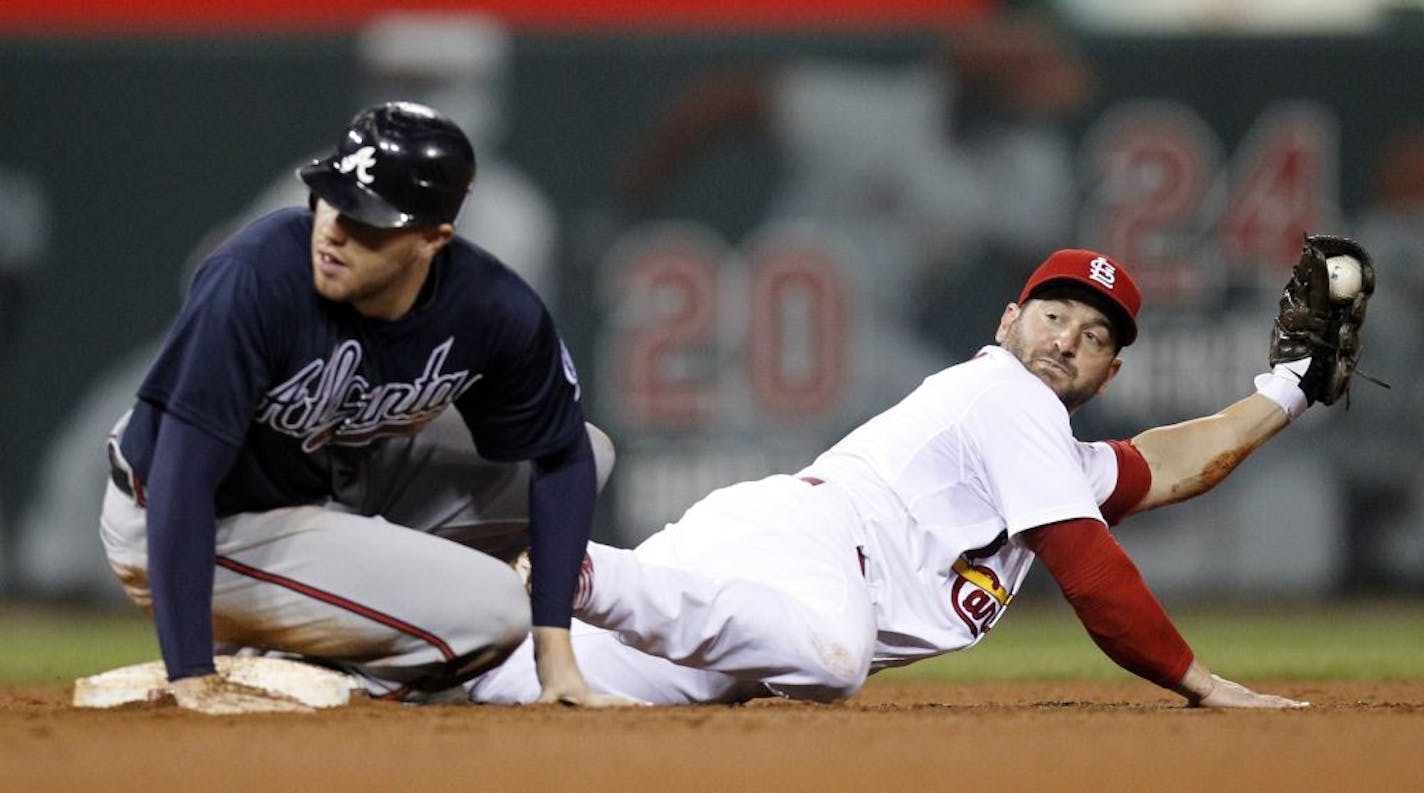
{"x": 303, "y": 386}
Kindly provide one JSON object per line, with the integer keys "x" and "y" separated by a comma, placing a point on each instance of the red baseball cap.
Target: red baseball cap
{"x": 1099, "y": 275}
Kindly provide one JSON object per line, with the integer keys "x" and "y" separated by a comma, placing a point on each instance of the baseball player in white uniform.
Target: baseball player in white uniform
{"x": 910, "y": 537}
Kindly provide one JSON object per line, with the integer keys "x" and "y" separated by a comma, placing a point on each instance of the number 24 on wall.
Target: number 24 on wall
{"x": 1160, "y": 198}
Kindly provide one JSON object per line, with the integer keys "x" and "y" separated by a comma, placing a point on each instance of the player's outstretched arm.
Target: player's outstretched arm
{"x": 1127, "y": 623}
{"x": 1315, "y": 344}
{"x": 1190, "y": 458}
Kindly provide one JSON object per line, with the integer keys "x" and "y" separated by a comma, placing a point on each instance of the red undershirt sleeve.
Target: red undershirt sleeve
{"x": 1109, "y": 596}
{"x": 1134, "y": 479}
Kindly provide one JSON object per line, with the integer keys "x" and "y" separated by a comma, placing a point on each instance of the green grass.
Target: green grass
{"x": 1366, "y": 641}
{"x": 1363, "y": 641}
{"x": 57, "y": 645}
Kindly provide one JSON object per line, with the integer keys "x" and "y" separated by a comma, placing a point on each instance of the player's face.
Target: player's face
{"x": 379, "y": 271}
{"x": 1069, "y": 345}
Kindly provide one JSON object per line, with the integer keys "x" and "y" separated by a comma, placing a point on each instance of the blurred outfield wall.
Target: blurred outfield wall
{"x": 730, "y": 326}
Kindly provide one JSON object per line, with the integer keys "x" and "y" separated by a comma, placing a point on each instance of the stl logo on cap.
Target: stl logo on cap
{"x": 1102, "y": 271}
{"x": 359, "y": 161}
{"x": 1099, "y": 274}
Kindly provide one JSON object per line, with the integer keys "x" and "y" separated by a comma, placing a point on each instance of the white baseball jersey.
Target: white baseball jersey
{"x": 943, "y": 481}
{"x": 895, "y": 544}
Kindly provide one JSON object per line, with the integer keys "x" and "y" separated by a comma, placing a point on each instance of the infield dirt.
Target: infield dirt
{"x": 893, "y": 736}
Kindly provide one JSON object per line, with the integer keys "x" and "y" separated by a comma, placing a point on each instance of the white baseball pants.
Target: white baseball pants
{"x": 757, "y": 590}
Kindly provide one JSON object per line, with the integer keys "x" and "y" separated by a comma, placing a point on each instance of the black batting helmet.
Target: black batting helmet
{"x": 399, "y": 165}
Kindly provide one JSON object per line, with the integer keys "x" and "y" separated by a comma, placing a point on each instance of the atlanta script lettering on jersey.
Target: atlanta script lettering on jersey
{"x": 329, "y": 401}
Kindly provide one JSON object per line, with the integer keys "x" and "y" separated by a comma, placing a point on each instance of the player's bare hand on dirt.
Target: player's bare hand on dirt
{"x": 584, "y": 697}
{"x": 560, "y": 680}
{"x": 1206, "y": 690}
{"x": 215, "y": 695}
{"x": 1226, "y": 694}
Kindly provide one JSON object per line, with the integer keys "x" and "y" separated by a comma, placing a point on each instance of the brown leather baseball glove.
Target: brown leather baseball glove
{"x": 1313, "y": 324}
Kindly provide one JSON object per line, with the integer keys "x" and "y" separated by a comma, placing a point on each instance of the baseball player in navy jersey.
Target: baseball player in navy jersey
{"x": 911, "y": 536}
{"x": 352, "y": 405}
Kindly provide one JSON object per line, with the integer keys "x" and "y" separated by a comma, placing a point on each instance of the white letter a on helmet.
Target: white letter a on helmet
{"x": 359, "y": 161}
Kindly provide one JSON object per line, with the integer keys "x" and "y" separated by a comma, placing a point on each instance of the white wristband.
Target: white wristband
{"x": 1282, "y": 386}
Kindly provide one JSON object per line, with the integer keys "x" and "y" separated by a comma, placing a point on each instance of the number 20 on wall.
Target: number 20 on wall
{"x": 700, "y": 333}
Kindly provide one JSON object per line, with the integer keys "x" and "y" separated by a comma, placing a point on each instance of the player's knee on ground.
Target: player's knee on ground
{"x": 837, "y": 671}
{"x": 828, "y": 656}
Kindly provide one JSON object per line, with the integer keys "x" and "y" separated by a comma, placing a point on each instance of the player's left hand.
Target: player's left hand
{"x": 1206, "y": 690}
{"x": 560, "y": 680}
{"x": 1322, "y": 310}
{"x": 1226, "y": 694}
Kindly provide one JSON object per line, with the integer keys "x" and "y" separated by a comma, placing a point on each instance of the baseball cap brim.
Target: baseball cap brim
{"x": 350, "y": 197}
